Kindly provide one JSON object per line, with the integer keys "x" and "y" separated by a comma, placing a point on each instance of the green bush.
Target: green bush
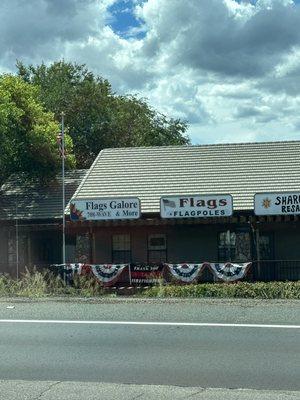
{"x": 257, "y": 290}
{"x": 44, "y": 283}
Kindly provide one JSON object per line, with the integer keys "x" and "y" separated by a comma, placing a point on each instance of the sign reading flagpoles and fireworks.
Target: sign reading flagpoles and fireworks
{"x": 105, "y": 209}
{"x": 196, "y": 206}
{"x": 277, "y": 203}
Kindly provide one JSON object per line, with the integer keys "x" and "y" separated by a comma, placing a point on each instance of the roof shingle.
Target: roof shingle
{"x": 241, "y": 170}
{"x": 30, "y": 200}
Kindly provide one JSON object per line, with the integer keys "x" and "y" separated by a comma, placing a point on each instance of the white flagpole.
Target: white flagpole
{"x": 63, "y": 188}
{"x": 17, "y": 242}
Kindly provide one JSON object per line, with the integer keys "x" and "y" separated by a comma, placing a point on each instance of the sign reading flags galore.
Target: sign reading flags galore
{"x": 105, "y": 209}
{"x": 196, "y": 206}
{"x": 277, "y": 203}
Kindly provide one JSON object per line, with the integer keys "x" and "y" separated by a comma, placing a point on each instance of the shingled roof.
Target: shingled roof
{"x": 29, "y": 200}
{"x": 241, "y": 170}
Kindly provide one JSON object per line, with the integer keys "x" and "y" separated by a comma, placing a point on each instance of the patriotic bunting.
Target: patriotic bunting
{"x": 229, "y": 272}
{"x": 107, "y": 273}
{"x": 151, "y": 274}
{"x": 185, "y": 272}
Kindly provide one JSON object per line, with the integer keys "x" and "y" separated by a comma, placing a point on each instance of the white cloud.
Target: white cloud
{"x": 231, "y": 68}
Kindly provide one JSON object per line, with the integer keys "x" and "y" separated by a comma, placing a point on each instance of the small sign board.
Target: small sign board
{"x": 277, "y": 203}
{"x": 196, "y": 206}
{"x": 105, "y": 209}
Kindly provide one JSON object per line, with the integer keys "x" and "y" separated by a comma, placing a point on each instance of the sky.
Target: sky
{"x": 230, "y": 68}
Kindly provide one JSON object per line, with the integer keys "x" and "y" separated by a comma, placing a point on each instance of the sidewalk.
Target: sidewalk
{"x": 30, "y": 390}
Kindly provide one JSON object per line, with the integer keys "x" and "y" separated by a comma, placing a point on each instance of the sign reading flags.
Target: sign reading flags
{"x": 277, "y": 203}
{"x": 105, "y": 209}
{"x": 196, "y": 206}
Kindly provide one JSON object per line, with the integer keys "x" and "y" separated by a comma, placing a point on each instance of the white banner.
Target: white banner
{"x": 277, "y": 203}
{"x": 107, "y": 273}
{"x": 229, "y": 272}
{"x": 196, "y": 206}
{"x": 105, "y": 209}
{"x": 185, "y": 272}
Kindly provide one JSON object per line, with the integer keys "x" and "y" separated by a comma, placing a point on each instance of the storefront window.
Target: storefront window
{"x": 234, "y": 246}
{"x": 157, "y": 248}
{"x": 121, "y": 249}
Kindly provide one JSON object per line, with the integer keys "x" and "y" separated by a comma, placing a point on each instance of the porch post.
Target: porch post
{"x": 257, "y": 251}
{"x": 92, "y": 245}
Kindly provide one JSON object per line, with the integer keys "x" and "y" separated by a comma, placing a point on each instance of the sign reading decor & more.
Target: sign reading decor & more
{"x": 196, "y": 206}
{"x": 105, "y": 209}
{"x": 277, "y": 203}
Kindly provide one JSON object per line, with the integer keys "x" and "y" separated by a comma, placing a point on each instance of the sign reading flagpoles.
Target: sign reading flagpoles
{"x": 277, "y": 203}
{"x": 105, "y": 209}
{"x": 196, "y": 206}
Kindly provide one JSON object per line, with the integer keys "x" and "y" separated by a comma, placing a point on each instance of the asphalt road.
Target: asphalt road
{"x": 193, "y": 356}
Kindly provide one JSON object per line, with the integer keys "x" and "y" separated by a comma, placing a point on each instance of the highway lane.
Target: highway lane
{"x": 199, "y": 356}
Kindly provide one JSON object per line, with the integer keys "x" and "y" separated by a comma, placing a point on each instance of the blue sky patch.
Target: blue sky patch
{"x": 123, "y": 21}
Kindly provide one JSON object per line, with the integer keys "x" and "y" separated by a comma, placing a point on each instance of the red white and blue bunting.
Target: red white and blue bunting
{"x": 229, "y": 272}
{"x": 185, "y": 272}
{"x": 152, "y": 274}
{"x": 107, "y": 273}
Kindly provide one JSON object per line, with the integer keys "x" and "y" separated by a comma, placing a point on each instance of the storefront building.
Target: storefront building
{"x": 193, "y": 204}
{"x": 31, "y": 222}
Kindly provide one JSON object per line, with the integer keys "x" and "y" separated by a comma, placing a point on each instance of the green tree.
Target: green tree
{"x": 28, "y": 134}
{"x": 96, "y": 117}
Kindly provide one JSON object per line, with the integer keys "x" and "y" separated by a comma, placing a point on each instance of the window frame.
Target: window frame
{"x": 162, "y": 250}
{"x": 128, "y": 252}
{"x": 231, "y": 248}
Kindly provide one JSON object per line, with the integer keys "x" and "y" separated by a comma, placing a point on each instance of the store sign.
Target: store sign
{"x": 277, "y": 203}
{"x": 196, "y": 206}
{"x": 105, "y": 209}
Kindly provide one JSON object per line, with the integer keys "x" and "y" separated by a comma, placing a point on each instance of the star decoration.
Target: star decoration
{"x": 266, "y": 203}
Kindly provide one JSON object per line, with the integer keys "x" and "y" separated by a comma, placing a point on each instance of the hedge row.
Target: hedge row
{"x": 257, "y": 290}
{"x": 41, "y": 284}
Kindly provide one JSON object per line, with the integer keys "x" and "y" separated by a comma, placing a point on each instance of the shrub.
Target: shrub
{"x": 44, "y": 283}
{"x": 259, "y": 290}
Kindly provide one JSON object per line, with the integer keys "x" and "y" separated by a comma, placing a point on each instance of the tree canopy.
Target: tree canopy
{"x": 28, "y": 133}
{"x": 96, "y": 117}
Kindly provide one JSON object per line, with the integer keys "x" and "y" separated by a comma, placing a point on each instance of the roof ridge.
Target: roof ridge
{"x": 203, "y": 145}
{"x": 89, "y": 170}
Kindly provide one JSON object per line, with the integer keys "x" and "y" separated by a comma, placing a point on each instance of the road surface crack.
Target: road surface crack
{"x": 47, "y": 390}
{"x": 138, "y": 396}
{"x": 198, "y": 391}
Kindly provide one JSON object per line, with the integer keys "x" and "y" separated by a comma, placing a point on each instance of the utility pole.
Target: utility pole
{"x": 63, "y": 187}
